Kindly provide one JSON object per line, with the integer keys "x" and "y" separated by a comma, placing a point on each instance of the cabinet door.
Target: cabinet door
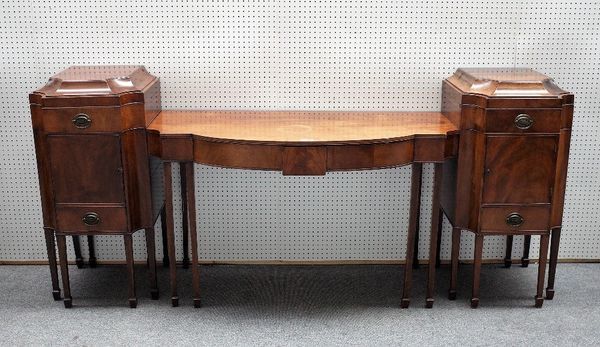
{"x": 519, "y": 169}
{"x": 86, "y": 168}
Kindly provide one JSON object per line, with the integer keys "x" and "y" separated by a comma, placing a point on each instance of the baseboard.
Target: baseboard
{"x": 301, "y": 262}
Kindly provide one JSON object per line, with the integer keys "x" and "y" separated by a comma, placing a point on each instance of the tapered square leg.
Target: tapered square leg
{"x": 477, "y": 256}
{"x": 61, "y": 241}
{"x": 151, "y": 251}
{"x": 415, "y": 204}
{"x": 184, "y": 212}
{"x": 77, "y": 249}
{"x": 440, "y": 224}
{"x": 553, "y": 260}
{"x": 415, "y": 263}
{"x": 51, "y": 250}
{"x": 170, "y": 233}
{"x": 526, "y": 247}
{"x": 190, "y": 220}
{"x": 92, "y": 251}
{"x": 163, "y": 228}
{"x": 454, "y": 262}
{"x": 130, "y": 270}
{"x": 539, "y": 298}
{"x": 433, "y": 240}
{"x": 508, "y": 255}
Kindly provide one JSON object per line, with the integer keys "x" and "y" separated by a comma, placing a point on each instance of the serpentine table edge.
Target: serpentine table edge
{"x": 302, "y": 143}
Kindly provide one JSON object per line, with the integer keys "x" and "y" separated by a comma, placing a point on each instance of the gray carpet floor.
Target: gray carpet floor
{"x": 300, "y": 306}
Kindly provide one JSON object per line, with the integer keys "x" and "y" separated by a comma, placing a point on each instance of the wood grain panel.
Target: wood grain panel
{"x": 137, "y": 178}
{"x": 560, "y": 178}
{"x": 304, "y": 160}
{"x": 242, "y": 156}
{"x": 355, "y": 157}
{"x": 430, "y": 149}
{"x": 177, "y": 148}
{"x": 519, "y": 169}
{"x": 86, "y": 168}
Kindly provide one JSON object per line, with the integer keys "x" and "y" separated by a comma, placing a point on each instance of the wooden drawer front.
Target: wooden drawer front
{"x": 515, "y": 218}
{"x": 91, "y": 218}
{"x": 519, "y": 169}
{"x": 505, "y": 121}
{"x": 82, "y": 119}
{"x": 86, "y": 168}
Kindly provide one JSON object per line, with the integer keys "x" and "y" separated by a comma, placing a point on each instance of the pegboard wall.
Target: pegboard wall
{"x": 309, "y": 55}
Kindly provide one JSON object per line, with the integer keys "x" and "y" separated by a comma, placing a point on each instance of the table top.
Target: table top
{"x": 301, "y": 127}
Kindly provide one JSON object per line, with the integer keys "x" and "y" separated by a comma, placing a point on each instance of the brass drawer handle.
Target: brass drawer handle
{"x": 523, "y": 121}
{"x": 514, "y": 219}
{"x": 82, "y": 121}
{"x": 91, "y": 218}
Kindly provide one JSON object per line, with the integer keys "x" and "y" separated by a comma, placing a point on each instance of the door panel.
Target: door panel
{"x": 86, "y": 168}
{"x": 519, "y": 169}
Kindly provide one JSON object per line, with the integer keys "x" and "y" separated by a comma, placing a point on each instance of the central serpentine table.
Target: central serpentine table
{"x": 302, "y": 143}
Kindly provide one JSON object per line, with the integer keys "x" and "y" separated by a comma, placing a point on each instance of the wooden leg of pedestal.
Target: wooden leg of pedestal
{"x": 433, "y": 241}
{"x": 478, "y": 254}
{"x": 539, "y": 295}
{"x": 454, "y": 262}
{"x": 51, "y": 250}
{"x": 91, "y": 250}
{"x": 163, "y": 228}
{"x": 151, "y": 251}
{"x": 191, "y": 221}
{"x": 77, "y": 249}
{"x": 130, "y": 270}
{"x": 508, "y": 255}
{"x": 415, "y": 204}
{"x": 61, "y": 242}
{"x": 553, "y": 260}
{"x": 526, "y": 246}
{"x": 184, "y": 206}
{"x": 168, "y": 181}
{"x": 440, "y": 224}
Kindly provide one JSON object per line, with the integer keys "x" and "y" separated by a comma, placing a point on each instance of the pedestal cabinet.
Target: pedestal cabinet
{"x": 509, "y": 175}
{"x": 89, "y": 128}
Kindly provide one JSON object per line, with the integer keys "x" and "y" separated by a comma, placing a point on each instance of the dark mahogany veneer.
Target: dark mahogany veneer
{"x": 105, "y": 148}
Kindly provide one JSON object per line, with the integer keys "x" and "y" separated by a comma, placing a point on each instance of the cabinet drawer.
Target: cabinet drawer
{"x": 82, "y": 119}
{"x": 514, "y": 218}
{"x": 91, "y": 218}
{"x": 523, "y": 121}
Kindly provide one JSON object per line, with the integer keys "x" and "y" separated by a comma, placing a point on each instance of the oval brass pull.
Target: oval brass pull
{"x": 514, "y": 219}
{"x": 91, "y": 218}
{"x": 523, "y": 121}
{"x": 82, "y": 121}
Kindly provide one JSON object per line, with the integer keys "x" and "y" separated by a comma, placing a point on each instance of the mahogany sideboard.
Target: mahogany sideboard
{"x": 104, "y": 150}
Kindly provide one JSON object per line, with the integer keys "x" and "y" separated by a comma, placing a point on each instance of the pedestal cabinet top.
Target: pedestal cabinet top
{"x": 101, "y": 80}
{"x": 505, "y": 82}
